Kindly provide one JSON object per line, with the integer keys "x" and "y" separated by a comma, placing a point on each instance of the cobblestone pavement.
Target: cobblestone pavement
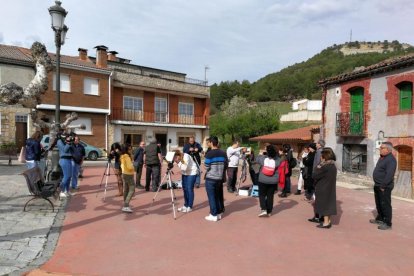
{"x": 27, "y": 239}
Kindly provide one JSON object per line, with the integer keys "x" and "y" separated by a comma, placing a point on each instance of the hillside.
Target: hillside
{"x": 301, "y": 79}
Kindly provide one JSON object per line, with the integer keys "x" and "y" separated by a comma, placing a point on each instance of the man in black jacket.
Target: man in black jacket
{"x": 383, "y": 184}
{"x": 152, "y": 162}
{"x": 138, "y": 164}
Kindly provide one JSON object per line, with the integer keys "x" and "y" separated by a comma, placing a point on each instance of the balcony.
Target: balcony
{"x": 120, "y": 114}
{"x": 350, "y": 124}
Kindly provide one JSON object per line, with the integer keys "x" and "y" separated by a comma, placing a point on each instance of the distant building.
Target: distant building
{"x": 363, "y": 108}
{"x": 304, "y": 110}
{"x": 297, "y": 138}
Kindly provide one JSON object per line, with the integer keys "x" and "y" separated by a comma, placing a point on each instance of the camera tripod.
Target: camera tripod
{"x": 169, "y": 186}
{"x": 106, "y": 175}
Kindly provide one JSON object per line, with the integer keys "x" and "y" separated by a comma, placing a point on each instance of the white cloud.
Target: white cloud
{"x": 238, "y": 39}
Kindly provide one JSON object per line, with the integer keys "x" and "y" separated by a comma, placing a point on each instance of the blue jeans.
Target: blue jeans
{"x": 212, "y": 189}
{"x": 30, "y": 165}
{"x": 75, "y": 174}
{"x": 66, "y": 165}
{"x": 286, "y": 189}
{"x": 188, "y": 182}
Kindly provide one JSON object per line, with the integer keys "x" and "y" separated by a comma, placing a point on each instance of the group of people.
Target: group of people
{"x": 71, "y": 156}
{"x": 126, "y": 164}
{"x": 269, "y": 170}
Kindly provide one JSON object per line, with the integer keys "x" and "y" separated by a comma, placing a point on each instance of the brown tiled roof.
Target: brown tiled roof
{"x": 13, "y": 53}
{"x": 383, "y": 66}
{"x": 302, "y": 134}
{"x": 23, "y": 54}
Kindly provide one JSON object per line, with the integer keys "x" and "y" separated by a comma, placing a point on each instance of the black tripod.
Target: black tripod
{"x": 169, "y": 186}
{"x": 106, "y": 175}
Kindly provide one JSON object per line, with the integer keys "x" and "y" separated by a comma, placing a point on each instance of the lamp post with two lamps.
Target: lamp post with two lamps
{"x": 57, "y": 14}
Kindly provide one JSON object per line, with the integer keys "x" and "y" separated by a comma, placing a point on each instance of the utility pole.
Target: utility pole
{"x": 350, "y": 36}
{"x": 205, "y": 73}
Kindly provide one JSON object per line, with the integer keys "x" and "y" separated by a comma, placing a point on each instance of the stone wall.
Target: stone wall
{"x": 8, "y": 122}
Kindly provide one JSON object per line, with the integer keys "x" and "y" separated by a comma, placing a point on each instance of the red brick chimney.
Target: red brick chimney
{"x": 101, "y": 56}
{"x": 83, "y": 54}
{"x": 112, "y": 56}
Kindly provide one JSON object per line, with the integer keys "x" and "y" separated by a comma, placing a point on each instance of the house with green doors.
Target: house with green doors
{"x": 368, "y": 106}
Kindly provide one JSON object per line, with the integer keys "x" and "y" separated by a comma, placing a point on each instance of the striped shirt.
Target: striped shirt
{"x": 216, "y": 164}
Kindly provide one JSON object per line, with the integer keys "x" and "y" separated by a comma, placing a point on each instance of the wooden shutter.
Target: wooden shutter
{"x": 406, "y": 95}
{"x": 405, "y": 158}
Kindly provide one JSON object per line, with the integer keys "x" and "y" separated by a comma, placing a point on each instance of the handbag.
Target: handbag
{"x": 22, "y": 155}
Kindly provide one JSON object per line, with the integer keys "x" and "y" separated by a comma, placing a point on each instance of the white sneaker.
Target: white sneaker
{"x": 182, "y": 209}
{"x": 219, "y": 216}
{"x": 71, "y": 193}
{"x": 62, "y": 195}
{"x": 263, "y": 213}
{"x": 210, "y": 217}
{"x": 67, "y": 194}
{"x": 126, "y": 210}
{"x": 188, "y": 210}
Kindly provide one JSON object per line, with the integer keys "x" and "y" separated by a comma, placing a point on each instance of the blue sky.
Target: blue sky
{"x": 237, "y": 39}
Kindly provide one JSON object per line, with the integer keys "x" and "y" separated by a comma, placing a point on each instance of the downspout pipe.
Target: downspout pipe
{"x": 109, "y": 109}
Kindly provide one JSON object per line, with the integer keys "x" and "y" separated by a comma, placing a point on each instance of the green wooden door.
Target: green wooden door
{"x": 357, "y": 111}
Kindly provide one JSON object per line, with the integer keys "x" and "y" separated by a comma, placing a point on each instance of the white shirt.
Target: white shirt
{"x": 187, "y": 165}
{"x": 233, "y": 154}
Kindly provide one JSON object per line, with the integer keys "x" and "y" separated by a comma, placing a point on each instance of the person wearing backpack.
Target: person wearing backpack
{"x": 33, "y": 150}
{"x": 268, "y": 179}
{"x": 286, "y": 152}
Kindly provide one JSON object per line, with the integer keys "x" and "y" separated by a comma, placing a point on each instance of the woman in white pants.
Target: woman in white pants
{"x": 301, "y": 166}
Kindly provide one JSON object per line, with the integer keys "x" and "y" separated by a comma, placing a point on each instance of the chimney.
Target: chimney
{"x": 83, "y": 54}
{"x": 112, "y": 56}
{"x": 101, "y": 56}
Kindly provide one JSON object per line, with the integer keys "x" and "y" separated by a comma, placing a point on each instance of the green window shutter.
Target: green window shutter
{"x": 406, "y": 96}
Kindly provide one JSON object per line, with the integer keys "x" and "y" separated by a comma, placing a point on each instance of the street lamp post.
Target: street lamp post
{"x": 58, "y": 14}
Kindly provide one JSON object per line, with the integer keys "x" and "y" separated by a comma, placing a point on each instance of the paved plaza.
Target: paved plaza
{"x": 98, "y": 239}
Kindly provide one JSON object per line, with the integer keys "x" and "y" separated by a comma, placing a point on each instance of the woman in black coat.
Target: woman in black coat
{"x": 324, "y": 176}
{"x": 307, "y": 171}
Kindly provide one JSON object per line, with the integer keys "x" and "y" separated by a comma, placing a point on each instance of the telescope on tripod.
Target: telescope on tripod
{"x": 170, "y": 159}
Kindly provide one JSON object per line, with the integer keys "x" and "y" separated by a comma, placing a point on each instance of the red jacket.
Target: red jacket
{"x": 283, "y": 169}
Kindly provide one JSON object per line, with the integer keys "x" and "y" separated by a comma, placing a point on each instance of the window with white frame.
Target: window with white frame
{"x": 91, "y": 86}
{"x": 133, "y": 107}
{"x": 82, "y": 121}
{"x": 64, "y": 82}
{"x": 161, "y": 110}
{"x": 186, "y": 109}
{"x": 186, "y": 113}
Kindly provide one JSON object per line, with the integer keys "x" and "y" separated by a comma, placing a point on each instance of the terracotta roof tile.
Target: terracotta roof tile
{"x": 13, "y": 53}
{"x": 24, "y": 54}
{"x": 303, "y": 134}
{"x": 383, "y": 66}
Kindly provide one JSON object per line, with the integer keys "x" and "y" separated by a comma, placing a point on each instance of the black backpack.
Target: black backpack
{"x": 292, "y": 162}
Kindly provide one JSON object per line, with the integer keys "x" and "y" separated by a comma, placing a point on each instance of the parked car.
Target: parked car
{"x": 92, "y": 153}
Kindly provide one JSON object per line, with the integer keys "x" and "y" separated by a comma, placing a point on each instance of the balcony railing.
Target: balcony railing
{"x": 120, "y": 114}
{"x": 350, "y": 124}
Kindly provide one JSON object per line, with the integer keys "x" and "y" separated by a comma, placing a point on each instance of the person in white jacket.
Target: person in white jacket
{"x": 302, "y": 167}
{"x": 233, "y": 154}
{"x": 189, "y": 171}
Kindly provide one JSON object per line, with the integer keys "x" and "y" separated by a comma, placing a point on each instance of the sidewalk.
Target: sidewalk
{"x": 27, "y": 239}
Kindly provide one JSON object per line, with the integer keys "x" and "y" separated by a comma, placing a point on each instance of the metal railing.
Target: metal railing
{"x": 350, "y": 124}
{"x": 120, "y": 114}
